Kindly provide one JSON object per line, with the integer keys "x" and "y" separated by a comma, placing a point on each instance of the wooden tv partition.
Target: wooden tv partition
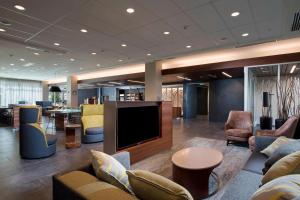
{"x": 147, "y": 148}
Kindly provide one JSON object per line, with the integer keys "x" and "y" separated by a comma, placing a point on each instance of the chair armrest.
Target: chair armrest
{"x": 227, "y": 126}
{"x": 265, "y": 132}
{"x": 124, "y": 158}
{"x": 262, "y": 142}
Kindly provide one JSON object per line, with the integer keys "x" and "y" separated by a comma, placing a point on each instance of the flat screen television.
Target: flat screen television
{"x": 137, "y": 125}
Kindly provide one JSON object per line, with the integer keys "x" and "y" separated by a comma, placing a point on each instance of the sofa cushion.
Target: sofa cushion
{"x": 51, "y": 139}
{"x": 150, "y": 186}
{"x": 287, "y": 187}
{"x": 108, "y": 169}
{"x": 94, "y": 131}
{"x": 242, "y": 186}
{"x": 275, "y": 145}
{"x": 256, "y": 162}
{"x": 76, "y": 179}
{"x": 91, "y": 188}
{"x": 239, "y": 133}
{"x": 281, "y": 152}
{"x": 289, "y": 164}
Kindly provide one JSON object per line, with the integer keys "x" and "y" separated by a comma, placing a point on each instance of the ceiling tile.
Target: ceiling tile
{"x": 269, "y": 29}
{"x": 161, "y": 8}
{"x": 187, "y": 4}
{"x": 207, "y": 17}
{"x": 250, "y": 29}
{"x": 266, "y": 9}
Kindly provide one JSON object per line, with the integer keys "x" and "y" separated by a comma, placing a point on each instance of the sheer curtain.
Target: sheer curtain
{"x": 13, "y": 90}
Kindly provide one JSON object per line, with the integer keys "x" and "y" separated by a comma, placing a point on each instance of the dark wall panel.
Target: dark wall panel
{"x": 86, "y": 93}
{"x": 189, "y": 101}
{"x": 225, "y": 95}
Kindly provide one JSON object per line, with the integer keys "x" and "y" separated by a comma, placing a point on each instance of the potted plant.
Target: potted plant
{"x": 285, "y": 91}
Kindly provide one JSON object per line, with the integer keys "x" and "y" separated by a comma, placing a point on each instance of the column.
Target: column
{"x": 153, "y": 81}
{"x": 45, "y": 91}
{"x": 72, "y": 91}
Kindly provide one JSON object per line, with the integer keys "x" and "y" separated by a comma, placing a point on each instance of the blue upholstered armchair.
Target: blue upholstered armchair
{"x": 34, "y": 142}
{"x": 92, "y": 116}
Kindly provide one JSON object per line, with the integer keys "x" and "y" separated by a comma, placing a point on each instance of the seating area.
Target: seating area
{"x": 150, "y": 100}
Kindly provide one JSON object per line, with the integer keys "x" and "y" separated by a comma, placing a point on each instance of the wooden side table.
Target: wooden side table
{"x": 71, "y": 130}
{"x": 192, "y": 168}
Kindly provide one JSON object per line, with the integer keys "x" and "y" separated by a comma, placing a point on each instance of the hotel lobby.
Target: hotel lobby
{"x": 150, "y": 99}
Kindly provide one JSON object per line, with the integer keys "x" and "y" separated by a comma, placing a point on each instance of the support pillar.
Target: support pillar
{"x": 45, "y": 91}
{"x": 153, "y": 81}
{"x": 72, "y": 91}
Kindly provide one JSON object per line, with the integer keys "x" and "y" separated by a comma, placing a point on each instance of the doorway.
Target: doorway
{"x": 202, "y": 101}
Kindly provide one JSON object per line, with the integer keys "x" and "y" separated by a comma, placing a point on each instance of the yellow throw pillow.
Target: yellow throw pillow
{"x": 289, "y": 164}
{"x": 108, "y": 169}
{"x": 286, "y": 187}
{"x": 275, "y": 145}
{"x": 150, "y": 186}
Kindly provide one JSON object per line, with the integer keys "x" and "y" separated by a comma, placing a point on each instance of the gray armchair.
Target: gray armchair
{"x": 34, "y": 142}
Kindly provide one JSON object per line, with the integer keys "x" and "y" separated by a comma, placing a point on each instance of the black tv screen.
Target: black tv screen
{"x": 137, "y": 125}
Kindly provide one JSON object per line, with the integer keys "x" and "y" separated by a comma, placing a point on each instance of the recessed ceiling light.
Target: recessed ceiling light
{"x": 3, "y": 67}
{"x": 2, "y": 30}
{"x": 235, "y": 14}
{"x": 19, "y": 7}
{"x": 22, "y": 59}
{"x": 93, "y": 53}
{"x": 120, "y": 60}
{"x": 293, "y": 69}
{"x": 11, "y": 64}
{"x": 130, "y": 10}
{"x": 245, "y": 34}
{"x": 72, "y": 59}
{"x": 55, "y": 64}
{"x": 124, "y": 45}
{"x": 56, "y": 44}
{"x": 166, "y": 32}
{"x": 98, "y": 65}
{"x": 66, "y": 71}
{"x": 116, "y": 83}
{"x": 83, "y": 30}
{"x": 226, "y": 74}
{"x": 149, "y": 54}
{"x": 81, "y": 68}
{"x": 184, "y": 78}
{"x": 188, "y": 46}
{"x": 37, "y": 54}
{"x": 134, "y": 81}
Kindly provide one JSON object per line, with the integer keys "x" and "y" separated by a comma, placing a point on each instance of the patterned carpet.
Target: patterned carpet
{"x": 234, "y": 159}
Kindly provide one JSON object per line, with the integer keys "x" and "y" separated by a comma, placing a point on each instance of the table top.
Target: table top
{"x": 64, "y": 111}
{"x": 195, "y": 158}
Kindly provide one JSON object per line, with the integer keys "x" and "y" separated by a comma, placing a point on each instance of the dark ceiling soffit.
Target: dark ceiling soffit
{"x": 293, "y": 57}
{"x": 114, "y": 78}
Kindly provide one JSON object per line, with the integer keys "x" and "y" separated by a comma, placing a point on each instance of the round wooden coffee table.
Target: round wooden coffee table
{"x": 192, "y": 168}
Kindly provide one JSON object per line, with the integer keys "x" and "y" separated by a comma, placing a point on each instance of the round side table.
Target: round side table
{"x": 192, "y": 168}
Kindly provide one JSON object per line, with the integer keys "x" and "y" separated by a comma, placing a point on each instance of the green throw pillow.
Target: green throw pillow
{"x": 150, "y": 186}
{"x": 110, "y": 170}
{"x": 286, "y": 187}
{"x": 289, "y": 164}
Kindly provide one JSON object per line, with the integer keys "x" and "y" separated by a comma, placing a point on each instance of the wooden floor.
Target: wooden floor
{"x": 31, "y": 179}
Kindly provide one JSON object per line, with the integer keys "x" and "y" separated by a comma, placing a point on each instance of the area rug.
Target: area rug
{"x": 234, "y": 159}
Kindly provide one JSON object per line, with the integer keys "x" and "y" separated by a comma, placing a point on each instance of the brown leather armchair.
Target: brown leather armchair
{"x": 239, "y": 126}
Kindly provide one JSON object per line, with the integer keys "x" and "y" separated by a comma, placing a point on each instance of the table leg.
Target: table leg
{"x": 195, "y": 181}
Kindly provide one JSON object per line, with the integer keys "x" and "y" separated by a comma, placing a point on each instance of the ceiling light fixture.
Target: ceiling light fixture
{"x": 81, "y": 68}
{"x": 293, "y": 69}
{"x": 188, "y": 46}
{"x": 166, "y": 32}
{"x": 72, "y": 59}
{"x": 184, "y": 78}
{"x": 37, "y": 54}
{"x": 22, "y": 59}
{"x": 19, "y": 7}
{"x": 83, "y": 30}
{"x": 245, "y": 34}
{"x": 226, "y": 74}
{"x": 93, "y": 53}
{"x": 134, "y": 81}
{"x": 98, "y": 65}
{"x": 130, "y": 10}
{"x": 56, "y": 44}
{"x": 11, "y": 64}
{"x": 149, "y": 54}
{"x": 66, "y": 71}
{"x": 235, "y": 14}
{"x": 55, "y": 64}
{"x": 2, "y": 30}
{"x": 105, "y": 84}
{"x": 120, "y": 60}
{"x": 116, "y": 83}
{"x": 124, "y": 45}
